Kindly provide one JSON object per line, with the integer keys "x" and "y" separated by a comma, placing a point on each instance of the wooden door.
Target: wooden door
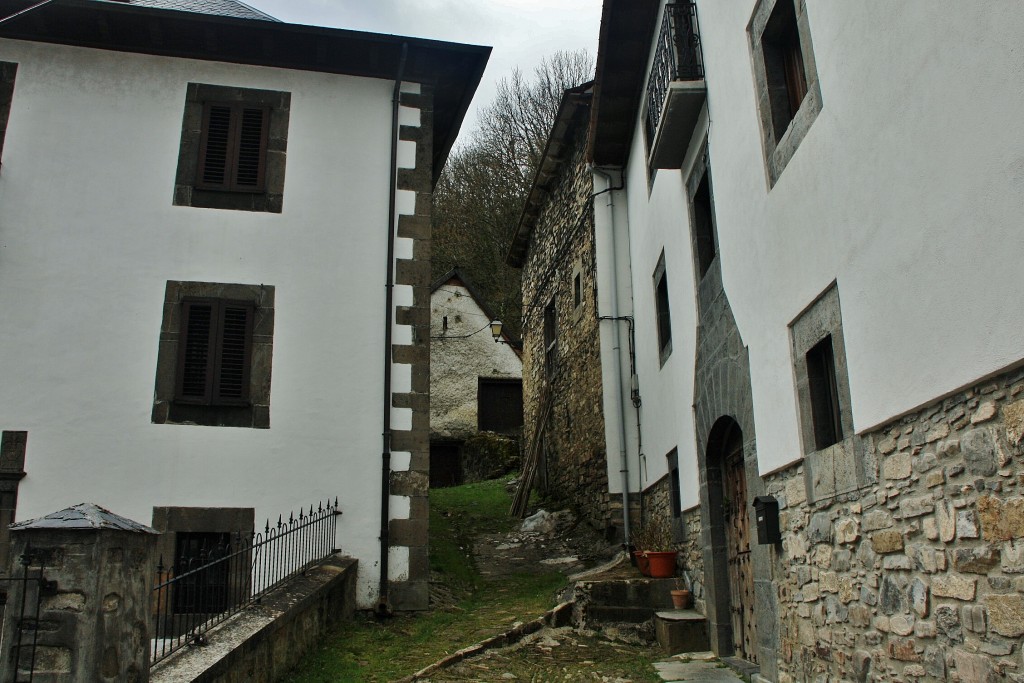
{"x": 741, "y": 575}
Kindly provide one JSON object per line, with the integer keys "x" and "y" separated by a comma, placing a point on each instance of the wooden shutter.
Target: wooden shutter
{"x": 216, "y": 353}
{"x": 499, "y": 405}
{"x": 197, "y": 341}
{"x": 233, "y": 148}
{"x": 231, "y": 379}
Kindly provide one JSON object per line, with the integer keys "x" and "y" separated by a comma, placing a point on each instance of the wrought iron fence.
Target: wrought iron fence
{"x": 29, "y": 590}
{"x": 214, "y": 576}
{"x": 676, "y": 58}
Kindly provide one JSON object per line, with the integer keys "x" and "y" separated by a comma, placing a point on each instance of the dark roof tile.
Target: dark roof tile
{"x": 224, "y": 8}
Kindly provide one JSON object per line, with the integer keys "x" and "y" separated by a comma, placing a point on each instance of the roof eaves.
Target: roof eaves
{"x": 574, "y": 100}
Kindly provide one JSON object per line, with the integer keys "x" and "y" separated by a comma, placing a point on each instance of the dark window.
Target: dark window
{"x": 215, "y": 355}
{"x": 233, "y": 150}
{"x": 233, "y": 147}
{"x": 704, "y": 225}
{"x": 8, "y": 70}
{"x": 824, "y": 394}
{"x": 214, "y": 366}
{"x": 784, "y": 65}
{"x": 577, "y": 291}
{"x": 499, "y": 405}
{"x": 550, "y": 337}
{"x": 200, "y": 559}
{"x": 673, "y": 477}
{"x": 662, "y": 311}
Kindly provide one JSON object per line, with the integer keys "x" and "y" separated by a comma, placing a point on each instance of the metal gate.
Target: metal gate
{"x": 26, "y": 590}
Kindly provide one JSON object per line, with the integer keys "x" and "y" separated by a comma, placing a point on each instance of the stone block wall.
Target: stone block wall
{"x": 918, "y": 576}
{"x": 411, "y": 591}
{"x": 562, "y": 247}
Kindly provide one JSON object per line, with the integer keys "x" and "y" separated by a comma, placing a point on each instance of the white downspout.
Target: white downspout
{"x": 617, "y": 348}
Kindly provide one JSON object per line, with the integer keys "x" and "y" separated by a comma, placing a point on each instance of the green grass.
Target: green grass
{"x": 370, "y": 650}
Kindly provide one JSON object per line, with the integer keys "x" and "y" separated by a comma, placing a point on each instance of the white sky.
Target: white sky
{"x": 522, "y": 32}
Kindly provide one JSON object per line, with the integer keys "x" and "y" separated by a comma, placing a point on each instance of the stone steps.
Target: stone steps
{"x": 642, "y": 605}
{"x": 681, "y": 630}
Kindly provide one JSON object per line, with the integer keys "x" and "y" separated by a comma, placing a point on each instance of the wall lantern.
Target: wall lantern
{"x": 496, "y": 330}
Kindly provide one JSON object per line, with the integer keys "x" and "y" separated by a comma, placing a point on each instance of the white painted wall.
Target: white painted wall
{"x": 88, "y": 239}
{"x": 907, "y": 190}
{"x": 459, "y": 356}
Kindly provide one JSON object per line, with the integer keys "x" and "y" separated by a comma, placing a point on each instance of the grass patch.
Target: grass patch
{"x": 370, "y": 650}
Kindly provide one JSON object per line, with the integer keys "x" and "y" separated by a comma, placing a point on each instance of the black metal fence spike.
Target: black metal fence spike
{"x": 218, "y": 576}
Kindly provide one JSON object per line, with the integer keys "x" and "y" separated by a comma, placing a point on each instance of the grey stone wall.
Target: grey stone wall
{"x": 562, "y": 245}
{"x": 264, "y": 642}
{"x": 413, "y": 532}
{"x": 919, "y": 575}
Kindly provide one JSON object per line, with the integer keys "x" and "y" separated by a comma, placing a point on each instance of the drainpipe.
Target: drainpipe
{"x": 617, "y": 348}
{"x": 383, "y": 604}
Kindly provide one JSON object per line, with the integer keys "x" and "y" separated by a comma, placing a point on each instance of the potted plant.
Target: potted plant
{"x": 680, "y": 595}
{"x": 654, "y": 555}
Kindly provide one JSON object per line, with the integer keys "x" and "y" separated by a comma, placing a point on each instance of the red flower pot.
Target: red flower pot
{"x": 662, "y": 564}
{"x": 642, "y": 563}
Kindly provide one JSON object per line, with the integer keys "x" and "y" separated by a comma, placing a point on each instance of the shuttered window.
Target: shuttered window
{"x": 233, "y": 147}
{"x": 215, "y": 356}
{"x": 499, "y": 404}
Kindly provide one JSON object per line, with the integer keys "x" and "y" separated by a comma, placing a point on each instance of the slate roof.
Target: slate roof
{"x": 223, "y": 8}
{"x": 85, "y": 517}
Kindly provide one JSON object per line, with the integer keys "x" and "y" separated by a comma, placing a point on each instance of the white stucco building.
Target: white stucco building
{"x": 212, "y": 228}
{"x": 811, "y": 213}
{"x": 475, "y": 380}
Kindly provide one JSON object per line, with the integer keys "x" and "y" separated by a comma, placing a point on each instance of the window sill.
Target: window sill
{"x": 250, "y": 416}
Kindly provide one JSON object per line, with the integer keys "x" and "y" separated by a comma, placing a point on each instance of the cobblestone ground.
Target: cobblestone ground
{"x": 560, "y": 655}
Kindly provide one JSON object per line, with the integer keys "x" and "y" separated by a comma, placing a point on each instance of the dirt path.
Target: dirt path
{"x": 559, "y": 544}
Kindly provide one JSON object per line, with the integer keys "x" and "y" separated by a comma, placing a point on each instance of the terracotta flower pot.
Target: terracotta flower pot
{"x": 662, "y": 563}
{"x": 680, "y": 598}
{"x": 642, "y": 563}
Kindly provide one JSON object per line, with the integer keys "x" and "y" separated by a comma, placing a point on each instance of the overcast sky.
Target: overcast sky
{"x": 522, "y": 32}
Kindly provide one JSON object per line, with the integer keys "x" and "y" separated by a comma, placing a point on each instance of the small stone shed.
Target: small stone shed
{"x": 476, "y": 390}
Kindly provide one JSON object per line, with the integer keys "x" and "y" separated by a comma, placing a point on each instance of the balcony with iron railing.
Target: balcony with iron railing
{"x": 675, "y": 89}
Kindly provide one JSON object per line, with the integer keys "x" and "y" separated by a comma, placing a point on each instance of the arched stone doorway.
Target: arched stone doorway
{"x": 727, "y": 482}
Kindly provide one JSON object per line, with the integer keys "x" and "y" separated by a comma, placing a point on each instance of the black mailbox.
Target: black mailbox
{"x": 766, "y": 509}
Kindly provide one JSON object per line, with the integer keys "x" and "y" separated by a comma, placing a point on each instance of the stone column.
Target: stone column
{"x": 92, "y": 607}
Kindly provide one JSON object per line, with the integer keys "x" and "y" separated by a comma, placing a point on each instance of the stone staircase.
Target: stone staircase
{"x": 641, "y": 606}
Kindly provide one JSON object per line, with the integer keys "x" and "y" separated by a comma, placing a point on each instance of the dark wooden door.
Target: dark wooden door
{"x": 741, "y": 576}
{"x": 445, "y": 464}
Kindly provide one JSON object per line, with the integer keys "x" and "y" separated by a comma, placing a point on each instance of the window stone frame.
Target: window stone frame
{"x": 778, "y": 152}
{"x": 171, "y": 521}
{"x": 700, "y": 170}
{"x": 659, "y": 277}
{"x": 186, "y": 192}
{"x": 256, "y": 414}
{"x": 841, "y": 467}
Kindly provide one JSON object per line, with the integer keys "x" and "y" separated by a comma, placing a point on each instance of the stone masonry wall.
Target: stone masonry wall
{"x": 919, "y": 576}
{"x": 562, "y": 245}
{"x": 411, "y": 591}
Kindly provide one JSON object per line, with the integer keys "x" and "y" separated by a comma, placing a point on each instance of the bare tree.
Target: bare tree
{"x": 480, "y": 195}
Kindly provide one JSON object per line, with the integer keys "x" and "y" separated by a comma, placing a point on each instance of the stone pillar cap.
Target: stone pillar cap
{"x": 85, "y": 517}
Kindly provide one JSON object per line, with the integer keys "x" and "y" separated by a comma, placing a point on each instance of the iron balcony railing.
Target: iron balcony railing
{"x": 677, "y": 57}
{"x": 218, "y": 575}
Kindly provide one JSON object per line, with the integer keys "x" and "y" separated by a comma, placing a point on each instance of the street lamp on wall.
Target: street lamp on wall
{"x": 496, "y": 331}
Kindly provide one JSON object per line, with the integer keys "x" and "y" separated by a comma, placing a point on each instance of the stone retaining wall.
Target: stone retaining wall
{"x": 920, "y": 575}
{"x": 264, "y": 641}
